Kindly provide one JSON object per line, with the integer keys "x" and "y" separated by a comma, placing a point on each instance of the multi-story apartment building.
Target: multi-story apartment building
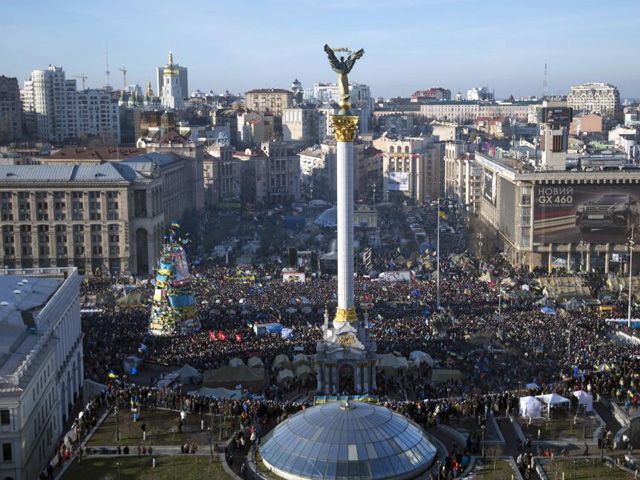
{"x": 253, "y": 128}
{"x": 277, "y": 174}
{"x": 359, "y": 96}
{"x": 98, "y": 116}
{"x": 41, "y": 369}
{"x": 222, "y": 174}
{"x": 103, "y": 219}
{"x": 411, "y": 168}
{"x": 601, "y": 98}
{"x": 461, "y": 174}
{"x": 433, "y": 93}
{"x": 480, "y": 93}
{"x": 268, "y": 100}
{"x": 10, "y": 110}
{"x": 49, "y": 105}
{"x": 468, "y": 111}
{"x": 55, "y": 111}
{"x": 300, "y": 124}
{"x": 191, "y": 150}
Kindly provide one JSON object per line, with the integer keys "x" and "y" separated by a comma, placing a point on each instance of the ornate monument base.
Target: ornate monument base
{"x": 345, "y": 359}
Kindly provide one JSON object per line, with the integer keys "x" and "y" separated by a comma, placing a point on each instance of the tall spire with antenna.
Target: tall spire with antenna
{"x": 545, "y": 86}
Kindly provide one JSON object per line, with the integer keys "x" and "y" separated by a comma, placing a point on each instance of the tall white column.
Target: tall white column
{"x": 344, "y": 175}
{"x": 345, "y": 127}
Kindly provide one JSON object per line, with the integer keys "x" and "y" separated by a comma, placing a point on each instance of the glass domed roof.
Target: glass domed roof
{"x": 328, "y": 218}
{"x": 357, "y": 441}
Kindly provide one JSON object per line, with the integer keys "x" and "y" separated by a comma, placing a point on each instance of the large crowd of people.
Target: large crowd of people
{"x": 497, "y": 346}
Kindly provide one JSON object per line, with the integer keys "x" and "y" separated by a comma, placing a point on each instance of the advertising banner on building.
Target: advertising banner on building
{"x": 489, "y": 186}
{"x": 597, "y": 213}
{"x": 398, "y": 181}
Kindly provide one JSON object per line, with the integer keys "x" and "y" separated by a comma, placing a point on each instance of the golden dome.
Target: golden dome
{"x": 170, "y": 68}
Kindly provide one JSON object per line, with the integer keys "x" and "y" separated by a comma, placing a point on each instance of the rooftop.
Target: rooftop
{"x": 23, "y": 333}
{"x": 119, "y": 172}
{"x": 96, "y": 153}
{"x": 269, "y": 90}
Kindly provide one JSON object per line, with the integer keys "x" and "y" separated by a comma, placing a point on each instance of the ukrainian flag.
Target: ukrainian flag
{"x": 175, "y": 224}
{"x": 113, "y": 375}
{"x": 442, "y": 214}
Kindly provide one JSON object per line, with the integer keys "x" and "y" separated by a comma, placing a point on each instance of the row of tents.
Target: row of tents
{"x": 531, "y": 407}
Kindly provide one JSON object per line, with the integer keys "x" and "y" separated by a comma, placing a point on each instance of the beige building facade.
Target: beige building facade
{"x": 106, "y": 219}
{"x": 268, "y": 100}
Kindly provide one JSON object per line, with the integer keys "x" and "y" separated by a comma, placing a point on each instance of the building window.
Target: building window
{"x": 77, "y": 206}
{"x": 42, "y": 206}
{"x": 557, "y": 143}
{"x": 140, "y": 203}
{"x": 59, "y": 206}
{"x": 5, "y": 417}
{"x": 112, "y": 205}
{"x": 24, "y": 206}
{"x": 6, "y": 207}
{"x": 94, "y": 206}
{"x": 6, "y": 452}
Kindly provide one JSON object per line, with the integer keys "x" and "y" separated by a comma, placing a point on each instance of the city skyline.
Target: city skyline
{"x": 218, "y": 43}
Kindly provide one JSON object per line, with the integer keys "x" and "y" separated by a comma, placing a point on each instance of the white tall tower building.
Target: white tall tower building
{"x": 172, "y": 94}
{"x": 49, "y": 104}
{"x": 55, "y": 111}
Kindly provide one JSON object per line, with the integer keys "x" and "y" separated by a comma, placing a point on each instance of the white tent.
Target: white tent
{"x": 299, "y": 358}
{"x": 585, "y": 399}
{"x": 255, "y": 362}
{"x": 532, "y": 386}
{"x": 530, "y": 407}
{"x": 552, "y": 400}
{"x": 419, "y": 357}
{"x": 236, "y": 362}
{"x": 281, "y": 361}
{"x": 188, "y": 375}
{"x": 284, "y": 375}
{"x": 389, "y": 360}
{"x": 303, "y": 370}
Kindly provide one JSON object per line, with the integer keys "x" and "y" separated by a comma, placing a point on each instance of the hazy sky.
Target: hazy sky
{"x": 410, "y": 44}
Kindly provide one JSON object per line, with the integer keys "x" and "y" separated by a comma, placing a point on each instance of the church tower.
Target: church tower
{"x": 172, "y": 95}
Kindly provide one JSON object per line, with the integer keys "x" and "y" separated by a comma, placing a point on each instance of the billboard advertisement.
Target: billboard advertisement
{"x": 556, "y": 115}
{"x": 398, "y": 181}
{"x": 489, "y": 187}
{"x": 597, "y": 213}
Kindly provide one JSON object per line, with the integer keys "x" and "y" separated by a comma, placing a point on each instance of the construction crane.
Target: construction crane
{"x": 82, "y": 77}
{"x": 124, "y": 77}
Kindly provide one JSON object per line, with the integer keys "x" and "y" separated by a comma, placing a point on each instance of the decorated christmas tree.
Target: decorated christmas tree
{"x": 174, "y": 306}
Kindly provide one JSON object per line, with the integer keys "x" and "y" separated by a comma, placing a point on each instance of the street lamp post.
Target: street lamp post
{"x": 581, "y": 244}
{"x": 117, "y": 421}
{"x": 631, "y": 244}
{"x": 438, "y": 259}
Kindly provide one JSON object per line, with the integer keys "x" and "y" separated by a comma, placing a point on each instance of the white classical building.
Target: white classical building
{"x": 601, "y": 98}
{"x": 171, "y": 93}
{"x": 41, "y": 373}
